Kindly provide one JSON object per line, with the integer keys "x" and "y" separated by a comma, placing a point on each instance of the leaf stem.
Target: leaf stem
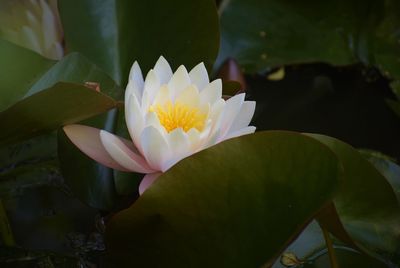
{"x": 329, "y": 245}
{"x": 5, "y": 229}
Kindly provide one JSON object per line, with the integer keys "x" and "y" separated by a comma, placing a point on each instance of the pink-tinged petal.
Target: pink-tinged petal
{"x": 119, "y": 150}
{"x": 147, "y": 181}
{"x": 135, "y": 83}
{"x": 244, "y": 116}
{"x": 163, "y": 70}
{"x": 155, "y": 148}
{"x": 87, "y": 139}
{"x": 199, "y": 76}
{"x": 231, "y": 110}
{"x": 179, "y": 81}
{"x": 212, "y": 92}
{"x": 241, "y": 132}
{"x": 134, "y": 119}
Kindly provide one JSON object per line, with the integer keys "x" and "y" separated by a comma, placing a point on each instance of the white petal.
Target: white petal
{"x": 87, "y": 139}
{"x": 155, "y": 148}
{"x": 199, "y": 76}
{"x": 212, "y": 92}
{"x": 163, "y": 70}
{"x": 206, "y": 137}
{"x": 231, "y": 110}
{"x": 151, "y": 119}
{"x": 136, "y": 75}
{"x": 125, "y": 156}
{"x": 134, "y": 119}
{"x": 212, "y": 140}
{"x": 194, "y": 139}
{"x": 147, "y": 181}
{"x": 151, "y": 87}
{"x": 241, "y": 132}
{"x": 216, "y": 117}
{"x": 216, "y": 114}
{"x": 244, "y": 116}
{"x": 179, "y": 81}
{"x": 178, "y": 141}
{"x": 132, "y": 89}
{"x": 189, "y": 96}
{"x": 135, "y": 83}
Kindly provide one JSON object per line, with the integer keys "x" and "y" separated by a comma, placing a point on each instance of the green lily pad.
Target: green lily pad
{"x": 64, "y": 103}
{"x": 366, "y": 205}
{"x": 388, "y": 168}
{"x": 285, "y": 32}
{"x": 113, "y": 34}
{"x": 75, "y": 68}
{"x": 20, "y": 68}
{"x": 236, "y": 204}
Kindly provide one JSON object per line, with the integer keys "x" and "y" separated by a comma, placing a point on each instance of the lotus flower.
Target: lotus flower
{"x": 169, "y": 117}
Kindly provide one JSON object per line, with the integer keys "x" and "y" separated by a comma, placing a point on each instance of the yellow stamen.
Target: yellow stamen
{"x": 178, "y": 115}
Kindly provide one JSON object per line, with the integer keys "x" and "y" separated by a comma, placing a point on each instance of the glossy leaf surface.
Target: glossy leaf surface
{"x": 224, "y": 207}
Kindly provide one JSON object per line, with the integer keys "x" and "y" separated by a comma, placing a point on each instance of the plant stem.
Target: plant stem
{"x": 5, "y": 229}
{"x": 329, "y": 245}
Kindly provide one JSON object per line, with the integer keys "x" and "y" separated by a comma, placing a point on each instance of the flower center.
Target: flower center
{"x": 178, "y": 115}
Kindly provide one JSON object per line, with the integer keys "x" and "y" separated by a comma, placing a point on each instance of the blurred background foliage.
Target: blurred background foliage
{"x": 329, "y": 67}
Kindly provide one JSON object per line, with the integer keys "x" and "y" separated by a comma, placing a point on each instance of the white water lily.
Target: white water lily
{"x": 169, "y": 117}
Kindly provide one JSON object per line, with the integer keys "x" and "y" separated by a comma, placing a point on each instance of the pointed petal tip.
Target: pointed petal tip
{"x": 136, "y": 76}
{"x": 147, "y": 181}
{"x": 74, "y": 129}
{"x": 163, "y": 70}
{"x": 181, "y": 68}
{"x": 88, "y": 141}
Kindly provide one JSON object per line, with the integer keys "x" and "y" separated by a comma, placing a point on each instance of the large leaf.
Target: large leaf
{"x": 236, "y": 204}
{"x": 24, "y": 73}
{"x": 338, "y": 32}
{"x": 20, "y": 68}
{"x": 366, "y": 204}
{"x": 75, "y": 68}
{"x": 17, "y": 161}
{"x": 115, "y": 33}
{"x": 388, "y": 168}
{"x": 91, "y": 182}
{"x": 64, "y": 103}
